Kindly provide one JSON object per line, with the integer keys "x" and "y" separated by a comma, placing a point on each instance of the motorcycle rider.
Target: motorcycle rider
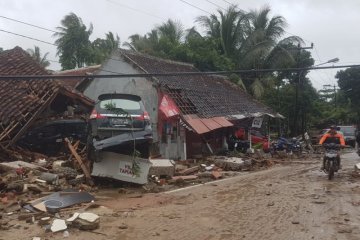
{"x": 332, "y": 136}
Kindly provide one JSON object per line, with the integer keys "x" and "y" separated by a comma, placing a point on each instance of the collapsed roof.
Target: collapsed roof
{"x": 206, "y": 96}
{"x": 23, "y": 101}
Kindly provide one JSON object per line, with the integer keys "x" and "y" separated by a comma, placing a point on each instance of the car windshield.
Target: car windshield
{"x": 348, "y": 130}
{"x": 121, "y": 104}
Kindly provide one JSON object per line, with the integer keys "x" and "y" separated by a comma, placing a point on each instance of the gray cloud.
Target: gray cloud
{"x": 329, "y": 24}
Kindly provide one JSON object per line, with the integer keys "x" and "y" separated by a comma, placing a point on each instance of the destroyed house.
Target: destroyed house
{"x": 25, "y": 102}
{"x": 190, "y": 114}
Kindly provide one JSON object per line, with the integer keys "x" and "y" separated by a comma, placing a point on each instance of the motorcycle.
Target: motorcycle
{"x": 331, "y": 158}
{"x": 238, "y": 145}
{"x": 292, "y": 145}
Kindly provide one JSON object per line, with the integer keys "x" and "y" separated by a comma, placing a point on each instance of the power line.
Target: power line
{"x": 195, "y": 6}
{"x": 327, "y": 74}
{"x": 169, "y": 74}
{"x": 216, "y": 5}
{"x": 29, "y": 24}
{"x": 134, "y": 9}
{"x": 35, "y": 39}
{"x": 317, "y": 54}
{"x": 228, "y": 2}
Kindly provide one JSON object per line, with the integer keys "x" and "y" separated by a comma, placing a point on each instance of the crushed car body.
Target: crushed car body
{"x": 121, "y": 136}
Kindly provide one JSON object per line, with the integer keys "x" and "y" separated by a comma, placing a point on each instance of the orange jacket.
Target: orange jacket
{"x": 337, "y": 135}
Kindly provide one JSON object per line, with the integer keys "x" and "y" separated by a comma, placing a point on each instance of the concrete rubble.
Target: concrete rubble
{"x": 162, "y": 167}
{"x": 58, "y": 225}
{"x": 87, "y": 221}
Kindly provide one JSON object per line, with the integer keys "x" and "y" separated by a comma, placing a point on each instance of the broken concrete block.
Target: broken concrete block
{"x": 58, "y": 164}
{"x": 231, "y": 164}
{"x": 44, "y": 221}
{"x": 58, "y": 225}
{"x": 87, "y": 221}
{"x": 209, "y": 168}
{"x": 50, "y": 178}
{"x": 36, "y": 238}
{"x": 162, "y": 167}
{"x": 73, "y": 218}
{"x": 216, "y": 174}
{"x": 34, "y": 188}
{"x": 357, "y": 166}
{"x": 250, "y": 151}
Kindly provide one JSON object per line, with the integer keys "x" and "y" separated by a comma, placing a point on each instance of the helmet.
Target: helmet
{"x": 333, "y": 127}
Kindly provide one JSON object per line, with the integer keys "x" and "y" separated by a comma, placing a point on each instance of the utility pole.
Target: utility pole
{"x": 329, "y": 93}
{"x": 335, "y": 97}
{"x": 297, "y": 88}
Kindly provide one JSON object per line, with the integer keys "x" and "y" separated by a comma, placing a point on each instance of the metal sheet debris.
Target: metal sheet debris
{"x": 119, "y": 166}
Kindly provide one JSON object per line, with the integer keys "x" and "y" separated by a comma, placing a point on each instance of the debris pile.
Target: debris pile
{"x": 166, "y": 174}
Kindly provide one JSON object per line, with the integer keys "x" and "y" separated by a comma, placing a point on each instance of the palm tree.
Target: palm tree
{"x": 251, "y": 40}
{"x": 102, "y": 48}
{"x": 264, "y": 48}
{"x": 192, "y": 33}
{"x": 262, "y": 37}
{"x": 74, "y": 46}
{"x": 159, "y": 41}
{"x": 171, "y": 30}
{"x": 145, "y": 44}
{"x": 229, "y": 28}
{"x": 112, "y": 42}
{"x": 36, "y": 55}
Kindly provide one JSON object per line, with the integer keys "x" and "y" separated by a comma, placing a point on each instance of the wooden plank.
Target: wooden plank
{"x": 84, "y": 168}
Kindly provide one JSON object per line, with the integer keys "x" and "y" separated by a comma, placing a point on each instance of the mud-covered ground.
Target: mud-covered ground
{"x": 289, "y": 201}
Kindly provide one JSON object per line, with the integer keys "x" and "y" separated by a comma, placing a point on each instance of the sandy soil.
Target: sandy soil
{"x": 294, "y": 201}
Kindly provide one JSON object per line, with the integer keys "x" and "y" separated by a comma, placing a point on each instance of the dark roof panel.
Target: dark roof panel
{"x": 205, "y": 95}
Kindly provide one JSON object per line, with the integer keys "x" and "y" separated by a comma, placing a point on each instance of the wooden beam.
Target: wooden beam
{"x": 84, "y": 168}
{"x": 32, "y": 119}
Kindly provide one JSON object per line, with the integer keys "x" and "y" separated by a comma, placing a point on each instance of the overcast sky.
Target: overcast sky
{"x": 332, "y": 25}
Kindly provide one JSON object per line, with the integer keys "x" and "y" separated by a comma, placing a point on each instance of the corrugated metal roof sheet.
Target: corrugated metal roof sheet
{"x": 204, "y": 125}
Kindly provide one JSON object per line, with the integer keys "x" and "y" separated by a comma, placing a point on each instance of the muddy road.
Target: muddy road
{"x": 293, "y": 201}
{"x": 285, "y": 202}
